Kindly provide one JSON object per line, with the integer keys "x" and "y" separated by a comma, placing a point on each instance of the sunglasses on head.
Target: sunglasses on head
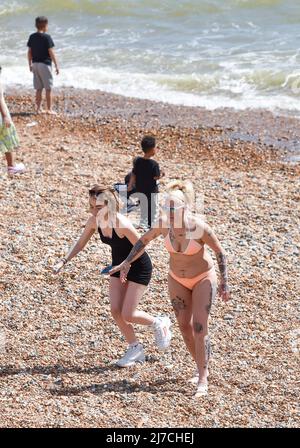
{"x": 94, "y": 193}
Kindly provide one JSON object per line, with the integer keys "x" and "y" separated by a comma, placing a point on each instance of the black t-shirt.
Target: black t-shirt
{"x": 40, "y": 44}
{"x": 145, "y": 170}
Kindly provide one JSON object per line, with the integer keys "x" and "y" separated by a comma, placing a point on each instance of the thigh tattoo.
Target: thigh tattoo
{"x": 213, "y": 293}
{"x": 178, "y": 305}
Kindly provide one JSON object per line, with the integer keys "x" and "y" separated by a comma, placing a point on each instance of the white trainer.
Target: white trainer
{"x": 162, "y": 332}
{"x": 134, "y": 353}
{"x": 19, "y": 168}
{"x": 202, "y": 390}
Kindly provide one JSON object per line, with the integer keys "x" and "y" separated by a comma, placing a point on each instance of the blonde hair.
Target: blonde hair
{"x": 182, "y": 190}
{"x": 109, "y": 195}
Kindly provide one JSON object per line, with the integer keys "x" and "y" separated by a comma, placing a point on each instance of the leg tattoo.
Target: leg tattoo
{"x": 207, "y": 348}
{"x": 178, "y": 305}
{"x": 198, "y": 328}
{"x": 213, "y": 293}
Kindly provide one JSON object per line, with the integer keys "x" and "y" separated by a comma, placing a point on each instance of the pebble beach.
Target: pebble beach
{"x": 58, "y": 342}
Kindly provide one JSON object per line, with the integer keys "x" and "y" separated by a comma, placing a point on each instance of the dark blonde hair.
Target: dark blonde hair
{"x": 109, "y": 194}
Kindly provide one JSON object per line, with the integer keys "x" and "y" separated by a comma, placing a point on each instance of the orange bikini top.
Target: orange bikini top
{"x": 192, "y": 248}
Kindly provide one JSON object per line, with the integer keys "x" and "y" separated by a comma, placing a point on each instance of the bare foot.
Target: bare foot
{"x": 51, "y": 112}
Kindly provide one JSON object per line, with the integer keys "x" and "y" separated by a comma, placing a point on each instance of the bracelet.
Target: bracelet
{"x": 64, "y": 260}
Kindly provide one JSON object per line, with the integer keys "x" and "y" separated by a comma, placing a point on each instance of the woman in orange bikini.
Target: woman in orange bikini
{"x": 192, "y": 277}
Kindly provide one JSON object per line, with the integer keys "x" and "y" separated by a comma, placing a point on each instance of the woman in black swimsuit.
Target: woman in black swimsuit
{"x": 118, "y": 232}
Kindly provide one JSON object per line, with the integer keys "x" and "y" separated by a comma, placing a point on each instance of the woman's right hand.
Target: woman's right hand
{"x": 224, "y": 292}
{"x": 58, "y": 267}
{"x": 123, "y": 268}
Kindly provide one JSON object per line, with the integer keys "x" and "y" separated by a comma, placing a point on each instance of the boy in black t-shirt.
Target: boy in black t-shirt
{"x": 40, "y": 56}
{"x": 144, "y": 176}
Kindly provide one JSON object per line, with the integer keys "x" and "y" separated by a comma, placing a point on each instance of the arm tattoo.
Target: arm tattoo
{"x": 172, "y": 235}
{"x": 137, "y": 248}
{"x": 221, "y": 259}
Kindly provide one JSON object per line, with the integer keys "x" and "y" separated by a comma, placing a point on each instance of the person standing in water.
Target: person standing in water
{"x": 40, "y": 56}
{"x": 118, "y": 232}
{"x": 192, "y": 279}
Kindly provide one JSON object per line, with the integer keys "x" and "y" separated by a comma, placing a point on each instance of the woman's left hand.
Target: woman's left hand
{"x": 224, "y": 292}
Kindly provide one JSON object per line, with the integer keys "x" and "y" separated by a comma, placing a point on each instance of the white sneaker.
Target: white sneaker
{"x": 19, "y": 168}
{"x": 202, "y": 390}
{"x": 162, "y": 332}
{"x": 134, "y": 353}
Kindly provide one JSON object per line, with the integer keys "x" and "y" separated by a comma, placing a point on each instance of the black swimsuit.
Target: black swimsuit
{"x": 141, "y": 269}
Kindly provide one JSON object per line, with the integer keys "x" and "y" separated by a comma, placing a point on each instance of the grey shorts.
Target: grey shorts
{"x": 42, "y": 76}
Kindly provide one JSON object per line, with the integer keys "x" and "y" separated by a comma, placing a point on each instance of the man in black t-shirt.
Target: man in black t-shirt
{"x": 40, "y": 56}
{"x": 144, "y": 176}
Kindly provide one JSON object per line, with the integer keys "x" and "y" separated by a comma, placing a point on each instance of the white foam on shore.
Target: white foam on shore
{"x": 234, "y": 94}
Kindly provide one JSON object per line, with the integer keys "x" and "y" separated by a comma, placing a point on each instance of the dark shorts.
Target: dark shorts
{"x": 140, "y": 271}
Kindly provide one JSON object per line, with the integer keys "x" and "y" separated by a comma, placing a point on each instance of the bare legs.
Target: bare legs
{"x": 181, "y": 300}
{"x": 124, "y": 299}
{"x": 202, "y": 297}
{"x": 49, "y": 101}
{"x": 38, "y": 100}
{"x": 132, "y": 297}
{"x": 9, "y": 159}
{"x": 192, "y": 310}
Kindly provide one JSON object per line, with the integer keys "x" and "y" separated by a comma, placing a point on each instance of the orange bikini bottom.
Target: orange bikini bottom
{"x": 190, "y": 283}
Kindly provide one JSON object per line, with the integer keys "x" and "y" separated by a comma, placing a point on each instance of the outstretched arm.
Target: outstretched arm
{"x": 212, "y": 241}
{"x": 79, "y": 245}
{"x": 135, "y": 253}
